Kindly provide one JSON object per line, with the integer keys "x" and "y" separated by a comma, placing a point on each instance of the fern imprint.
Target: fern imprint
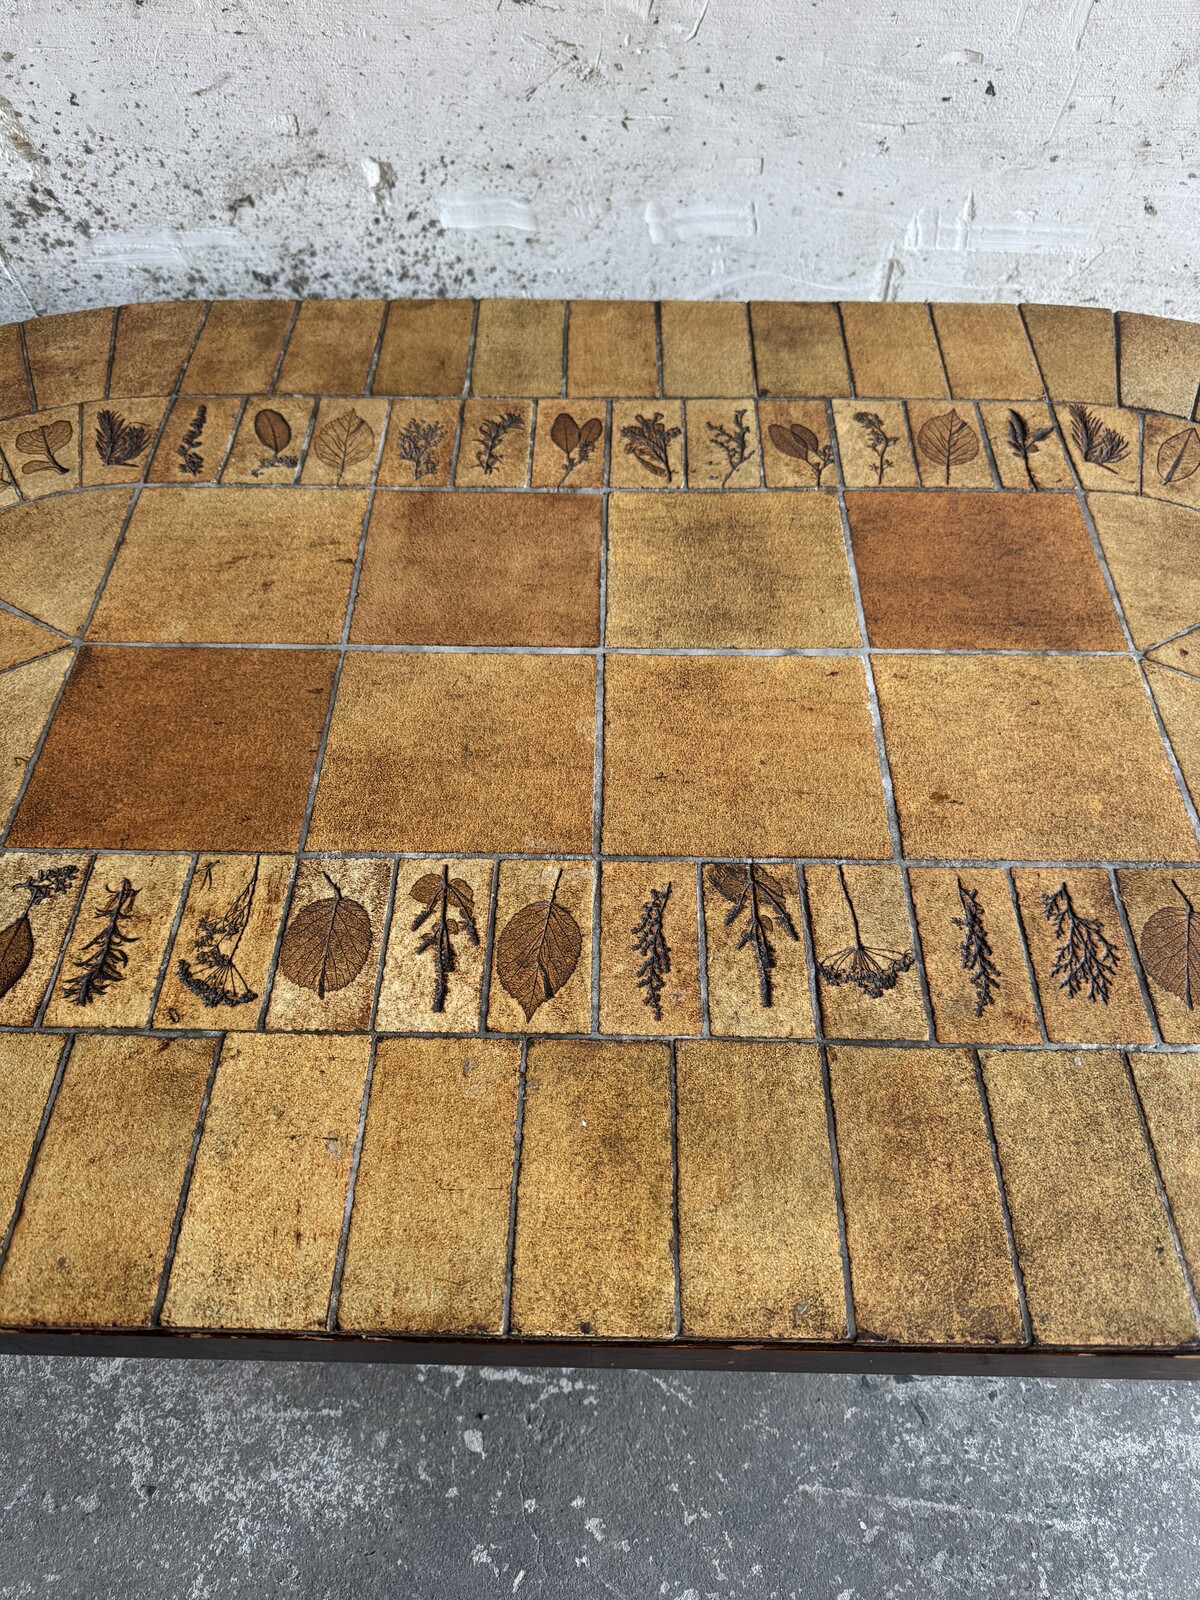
{"x": 1023, "y": 441}
{"x": 106, "y": 956}
{"x": 191, "y": 461}
{"x": 1086, "y": 959}
{"x": 650, "y": 942}
{"x": 491, "y": 432}
{"x": 733, "y": 443}
{"x": 975, "y": 952}
{"x": 119, "y": 442}
{"x": 1101, "y": 446}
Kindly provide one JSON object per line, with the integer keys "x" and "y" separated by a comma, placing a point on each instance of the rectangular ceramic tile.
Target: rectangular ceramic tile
{"x": 986, "y": 352}
{"x": 421, "y": 439}
{"x": 43, "y": 451}
{"x": 1160, "y": 363}
{"x": 424, "y": 348}
{"x": 433, "y": 970}
{"x": 612, "y": 348}
{"x": 113, "y": 963}
{"x": 28, "y": 1062}
{"x": 542, "y": 960}
{"x": 874, "y": 444}
{"x": 428, "y": 1236}
{"x": 797, "y": 444}
{"x": 948, "y": 448}
{"x": 1163, "y": 908}
{"x": 117, "y": 439}
{"x": 706, "y": 348}
{"x": 1076, "y": 352}
{"x": 975, "y": 962}
{"x": 649, "y": 957}
{"x": 1150, "y": 551}
{"x": 798, "y": 348}
{"x": 195, "y": 440}
{"x": 1103, "y": 443}
{"x": 331, "y": 347}
{"x": 329, "y": 956}
{"x": 867, "y": 975}
{"x": 759, "y": 1247}
{"x": 15, "y": 398}
{"x": 722, "y": 445}
{"x": 569, "y": 445}
{"x": 151, "y": 345}
{"x": 264, "y": 1211}
{"x": 1026, "y": 446}
{"x": 518, "y": 348}
{"x": 239, "y": 347}
{"x": 27, "y": 695}
{"x": 754, "y": 934}
{"x": 1170, "y": 459}
{"x": 346, "y": 440}
{"x": 216, "y": 975}
{"x": 1169, "y": 1088}
{"x": 38, "y": 896}
{"x": 92, "y": 1238}
{"x": 893, "y": 350}
{"x": 593, "y": 1237}
{"x": 1096, "y": 1255}
{"x": 1085, "y": 975}
{"x": 68, "y": 356}
{"x": 647, "y": 445}
{"x": 270, "y": 440}
{"x": 929, "y": 1257}
{"x": 495, "y": 447}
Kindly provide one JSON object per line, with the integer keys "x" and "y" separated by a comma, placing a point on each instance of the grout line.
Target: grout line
{"x": 53, "y": 651}
{"x": 854, "y": 393}
{"x": 1135, "y": 956}
{"x": 1027, "y": 952}
{"x": 283, "y": 349}
{"x": 702, "y": 953}
{"x": 1192, "y": 627}
{"x": 997, "y": 480}
{"x": 32, "y": 759}
{"x": 658, "y": 348}
{"x": 838, "y": 1196}
{"x": 566, "y": 335}
{"x": 172, "y": 935}
{"x": 373, "y": 364}
{"x": 489, "y": 945}
{"x": 510, "y": 1246}
{"x": 598, "y": 769}
{"x": 998, "y": 1169}
{"x": 937, "y": 345}
{"x": 918, "y": 953}
{"x": 339, "y": 1260}
{"x": 815, "y": 652}
{"x": 64, "y": 948}
{"x": 112, "y": 350}
{"x": 753, "y": 352}
{"x": 268, "y": 988}
{"x": 35, "y": 1148}
{"x": 1118, "y": 353}
{"x": 810, "y": 953}
{"x": 189, "y": 1168}
{"x": 29, "y": 384}
{"x": 673, "y": 1113}
{"x": 469, "y": 372}
{"x": 385, "y": 934}
{"x": 1163, "y": 1196}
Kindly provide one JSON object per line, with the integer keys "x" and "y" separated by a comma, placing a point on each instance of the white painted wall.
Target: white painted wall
{"x": 967, "y": 149}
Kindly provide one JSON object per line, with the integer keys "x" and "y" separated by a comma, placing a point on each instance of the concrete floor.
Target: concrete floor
{"x": 174, "y": 1480}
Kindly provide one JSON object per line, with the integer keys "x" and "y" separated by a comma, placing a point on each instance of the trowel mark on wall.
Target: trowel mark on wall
{"x": 705, "y": 220}
{"x": 498, "y": 211}
{"x": 165, "y": 247}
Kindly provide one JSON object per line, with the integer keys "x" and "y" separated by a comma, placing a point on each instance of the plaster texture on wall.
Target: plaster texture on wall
{"x": 986, "y": 149}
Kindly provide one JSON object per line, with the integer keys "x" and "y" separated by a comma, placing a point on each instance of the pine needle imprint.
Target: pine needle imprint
{"x": 441, "y": 895}
{"x": 871, "y": 969}
{"x": 879, "y": 439}
{"x": 650, "y": 942}
{"x": 492, "y": 430}
{"x": 733, "y": 443}
{"x": 191, "y": 461}
{"x": 1085, "y": 957}
{"x": 119, "y": 442}
{"x": 417, "y": 441}
{"x": 1101, "y": 446}
{"x": 975, "y": 952}
{"x": 213, "y": 973}
{"x": 1023, "y": 441}
{"x": 106, "y": 956}
{"x": 758, "y": 895}
{"x": 648, "y": 440}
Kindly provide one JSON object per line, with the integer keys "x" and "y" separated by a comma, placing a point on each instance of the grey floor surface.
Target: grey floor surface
{"x": 188, "y": 1479}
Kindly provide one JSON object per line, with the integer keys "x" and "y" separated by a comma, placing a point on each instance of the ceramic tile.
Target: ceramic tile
{"x": 68, "y": 356}
{"x": 798, "y": 348}
{"x": 874, "y": 444}
{"x": 706, "y": 348}
{"x": 649, "y": 955}
{"x": 1160, "y": 363}
{"x": 331, "y": 347}
{"x": 346, "y": 441}
{"x": 424, "y": 347}
{"x": 727, "y": 570}
{"x": 15, "y": 398}
{"x": 23, "y": 640}
{"x": 38, "y": 897}
{"x": 421, "y": 440}
{"x": 1169, "y": 1088}
{"x": 28, "y": 1062}
{"x": 647, "y": 445}
{"x": 949, "y": 451}
{"x": 721, "y": 756}
{"x": 542, "y": 962}
{"x": 495, "y": 445}
{"x": 43, "y": 451}
{"x": 867, "y": 977}
{"x": 480, "y": 569}
{"x": 975, "y": 741}
{"x": 1163, "y": 908}
{"x": 1026, "y": 447}
{"x": 1096, "y": 1255}
{"x": 271, "y": 440}
{"x": 798, "y": 449}
{"x": 27, "y": 696}
{"x": 929, "y": 1259}
{"x": 612, "y": 348}
{"x": 437, "y": 947}
{"x": 893, "y": 350}
{"x": 569, "y": 445}
{"x": 1103, "y": 443}
{"x": 986, "y": 352}
{"x": 593, "y": 1236}
{"x": 264, "y": 1211}
{"x": 239, "y": 347}
{"x": 722, "y": 445}
{"x": 758, "y": 980}
{"x": 151, "y": 346}
{"x": 117, "y": 439}
{"x": 329, "y": 955}
{"x": 428, "y": 1238}
{"x": 1076, "y": 351}
{"x": 176, "y": 749}
{"x": 1170, "y": 459}
{"x": 196, "y": 439}
{"x": 92, "y": 1238}
{"x": 1150, "y": 549}
{"x": 759, "y": 1247}
{"x": 56, "y": 555}
{"x": 518, "y": 347}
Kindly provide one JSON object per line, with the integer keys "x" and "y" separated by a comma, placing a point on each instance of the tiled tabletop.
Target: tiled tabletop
{"x": 602, "y": 831}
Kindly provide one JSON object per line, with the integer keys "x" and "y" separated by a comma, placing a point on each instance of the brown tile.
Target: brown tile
{"x": 722, "y": 445}
{"x": 152, "y": 343}
{"x": 345, "y": 442}
{"x": 1160, "y": 363}
{"x": 15, "y": 398}
{"x": 331, "y": 347}
{"x": 430, "y": 752}
{"x": 38, "y": 896}
{"x": 1150, "y": 549}
{"x": 329, "y": 956}
{"x": 947, "y": 445}
{"x": 892, "y": 349}
{"x": 68, "y": 356}
{"x": 239, "y": 347}
{"x": 495, "y": 446}
{"x": 1183, "y": 653}
{"x": 1027, "y": 759}
{"x": 612, "y": 348}
{"x": 790, "y": 458}
{"x": 759, "y": 1249}
{"x": 543, "y": 943}
{"x": 428, "y": 1236}
{"x": 798, "y": 348}
{"x": 874, "y": 444}
{"x": 28, "y": 1062}
{"x": 424, "y": 348}
{"x": 1178, "y": 699}
{"x": 751, "y": 571}
{"x": 10, "y": 495}
{"x": 265, "y": 566}
{"x": 1092, "y": 1238}
{"x": 569, "y": 446}
{"x": 196, "y": 439}
{"x": 216, "y": 974}
{"x": 593, "y": 1244}
{"x": 92, "y": 1238}
{"x": 986, "y": 352}
{"x": 480, "y": 569}
{"x": 1076, "y": 351}
{"x": 867, "y": 977}
{"x": 117, "y": 439}
{"x": 111, "y": 968}
{"x": 1103, "y": 444}
{"x": 22, "y": 640}
{"x": 1023, "y": 459}
{"x": 706, "y": 348}
{"x": 929, "y": 1258}
{"x": 647, "y": 445}
{"x": 1163, "y": 908}
{"x": 178, "y": 749}
{"x": 756, "y": 989}
{"x": 264, "y": 1212}
{"x": 432, "y": 983}
{"x": 518, "y": 347}
{"x": 43, "y": 451}
{"x": 979, "y": 571}
{"x": 973, "y": 955}
{"x": 26, "y": 700}
{"x": 1085, "y": 975}
{"x": 1170, "y": 459}
{"x": 728, "y": 756}
{"x": 270, "y": 441}
{"x": 419, "y": 449}
{"x": 641, "y": 903}
{"x": 1169, "y": 1087}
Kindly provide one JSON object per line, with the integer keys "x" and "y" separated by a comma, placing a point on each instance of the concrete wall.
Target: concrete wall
{"x": 980, "y": 149}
